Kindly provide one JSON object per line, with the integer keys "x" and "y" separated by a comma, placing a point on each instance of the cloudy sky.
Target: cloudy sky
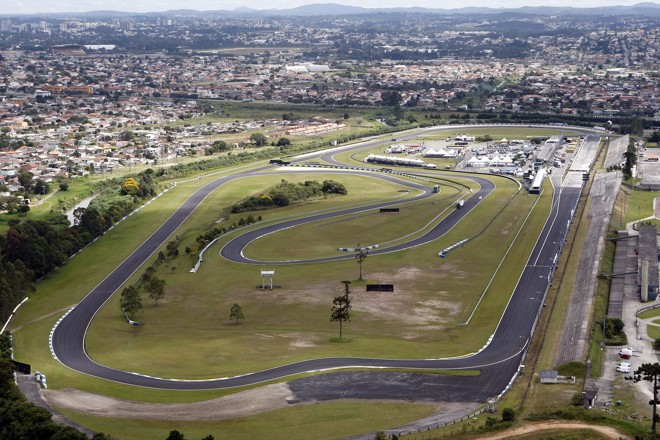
{"x": 33, "y": 6}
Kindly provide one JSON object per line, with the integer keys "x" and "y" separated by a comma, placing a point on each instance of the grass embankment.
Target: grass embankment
{"x": 653, "y": 331}
{"x": 327, "y": 421}
{"x": 639, "y": 205}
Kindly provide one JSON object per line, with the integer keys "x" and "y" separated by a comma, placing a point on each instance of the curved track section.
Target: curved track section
{"x": 233, "y": 250}
{"x": 498, "y": 360}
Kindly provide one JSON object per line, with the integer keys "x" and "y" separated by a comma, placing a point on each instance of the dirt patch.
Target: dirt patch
{"x": 604, "y": 430}
{"x": 428, "y": 304}
{"x": 506, "y": 230}
{"x": 229, "y": 407}
{"x": 170, "y": 296}
{"x": 300, "y": 340}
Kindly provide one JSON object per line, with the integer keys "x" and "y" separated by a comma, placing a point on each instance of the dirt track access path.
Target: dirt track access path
{"x": 229, "y": 407}
{"x": 607, "y": 431}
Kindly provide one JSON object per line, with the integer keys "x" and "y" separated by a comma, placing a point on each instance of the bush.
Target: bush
{"x": 614, "y": 333}
{"x": 332, "y": 187}
{"x": 508, "y": 415}
{"x": 285, "y": 193}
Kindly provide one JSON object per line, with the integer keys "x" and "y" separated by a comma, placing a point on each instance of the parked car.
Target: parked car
{"x": 623, "y": 367}
{"x": 625, "y": 353}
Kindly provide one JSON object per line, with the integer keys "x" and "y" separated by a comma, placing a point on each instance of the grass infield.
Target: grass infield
{"x": 291, "y": 323}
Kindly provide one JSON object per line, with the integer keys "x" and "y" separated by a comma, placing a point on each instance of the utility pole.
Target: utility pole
{"x": 360, "y": 257}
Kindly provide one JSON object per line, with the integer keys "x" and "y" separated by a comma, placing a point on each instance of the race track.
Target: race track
{"x": 498, "y": 361}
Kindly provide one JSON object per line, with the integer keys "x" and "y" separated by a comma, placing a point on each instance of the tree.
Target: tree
{"x": 41, "y": 187}
{"x": 631, "y": 159}
{"x": 341, "y": 307}
{"x": 175, "y": 435}
{"x": 332, "y": 187}
{"x": 25, "y": 178}
{"x": 156, "y": 289}
{"x": 130, "y": 186}
{"x": 259, "y": 139}
{"x": 77, "y": 215}
{"x": 236, "y": 313}
{"x": 650, "y": 373}
{"x": 636, "y": 127}
{"x": 613, "y": 328}
{"x": 391, "y": 98}
{"x": 283, "y": 142}
{"x": 91, "y": 221}
{"x": 130, "y": 301}
{"x": 126, "y": 135}
{"x": 219, "y": 146}
{"x": 360, "y": 257}
{"x": 508, "y": 415}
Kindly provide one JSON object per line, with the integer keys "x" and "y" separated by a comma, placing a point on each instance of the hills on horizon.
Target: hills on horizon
{"x": 330, "y": 9}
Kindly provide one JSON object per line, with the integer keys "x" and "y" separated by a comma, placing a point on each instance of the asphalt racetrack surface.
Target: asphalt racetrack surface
{"x": 498, "y": 361}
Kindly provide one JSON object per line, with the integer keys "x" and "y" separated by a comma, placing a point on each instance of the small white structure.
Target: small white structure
{"x": 442, "y": 153}
{"x": 264, "y": 275}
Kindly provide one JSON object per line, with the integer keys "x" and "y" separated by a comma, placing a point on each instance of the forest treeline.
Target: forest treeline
{"x": 33, "y": 248}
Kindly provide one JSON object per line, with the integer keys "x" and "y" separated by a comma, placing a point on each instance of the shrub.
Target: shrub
{"x": 508, "y": 415}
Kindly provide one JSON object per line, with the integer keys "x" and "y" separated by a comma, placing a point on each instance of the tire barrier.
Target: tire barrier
{"x": 201, "y": 255}
{"x": 364, "y": 248}
{"x": 443, "y": 253}
{"x": 380, "y": 287}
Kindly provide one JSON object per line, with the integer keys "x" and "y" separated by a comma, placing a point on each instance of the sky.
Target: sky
{"x": 42, "y": 6}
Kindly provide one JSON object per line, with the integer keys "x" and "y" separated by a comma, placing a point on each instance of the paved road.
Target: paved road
{"x": 233, "y": 250}
{"x": 498, "y": 361}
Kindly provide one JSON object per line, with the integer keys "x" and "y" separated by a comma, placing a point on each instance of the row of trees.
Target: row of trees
{"x": 33, "y": 248}
{"x": 631, "y": 159}
{"x": 131, "y": 297}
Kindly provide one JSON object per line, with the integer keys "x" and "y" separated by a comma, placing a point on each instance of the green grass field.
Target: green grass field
{"x": 320, "y": 421}
{"x": 646, "y": 314}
